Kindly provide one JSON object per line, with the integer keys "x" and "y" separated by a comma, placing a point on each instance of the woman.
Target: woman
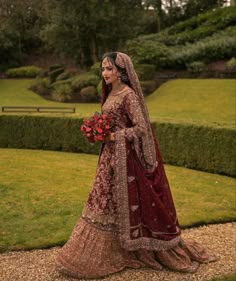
{"x": 129, "y": 219}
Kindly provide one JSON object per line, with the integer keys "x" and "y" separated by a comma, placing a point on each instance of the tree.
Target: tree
{"x": 19, "y": 25}
{"x": 84, "y": 29}
{"x": 194, "y": 7}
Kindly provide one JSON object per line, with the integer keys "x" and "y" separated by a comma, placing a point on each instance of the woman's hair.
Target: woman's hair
{"x": 111, "y": 57}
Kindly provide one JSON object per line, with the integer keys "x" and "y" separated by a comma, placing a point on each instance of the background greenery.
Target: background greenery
{"x": 231, "y": 277}
{"x": 206, "y": 37}
{"x": 205, "y": 101}
{"x": 39, "y": 206}
{"x": 83, "y": 30}
{"x": 205, "y": 142}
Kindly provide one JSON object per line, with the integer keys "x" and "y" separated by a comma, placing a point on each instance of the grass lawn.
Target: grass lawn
{"x": 199, "y": 100}
{"x": 43, "y": 192}
{"x": 191, "y": 100}
{"x": 231, "y": 277}
{"x": 15, "y": 92}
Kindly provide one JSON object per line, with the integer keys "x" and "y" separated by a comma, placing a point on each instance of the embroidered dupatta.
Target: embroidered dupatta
{"x": 146, "y": 213}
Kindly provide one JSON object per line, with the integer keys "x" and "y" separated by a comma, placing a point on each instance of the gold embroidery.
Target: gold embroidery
{"x": 120, "y": 170}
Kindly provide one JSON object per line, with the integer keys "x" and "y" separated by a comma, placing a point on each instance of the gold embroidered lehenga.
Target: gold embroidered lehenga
{"x": 129, "y": 219}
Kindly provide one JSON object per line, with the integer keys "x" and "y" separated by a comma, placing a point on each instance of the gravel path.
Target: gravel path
{"x": 38, "y": 265}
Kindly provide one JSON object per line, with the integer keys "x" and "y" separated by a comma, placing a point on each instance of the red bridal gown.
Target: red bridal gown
{"x": 129, "y": 219}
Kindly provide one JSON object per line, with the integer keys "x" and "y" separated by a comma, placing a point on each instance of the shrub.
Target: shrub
{"x": 54, "y": 74}
{"x": 219, "y": 46}
{"x": 83, "y": 80}
{"x": 148, "y": 87}
{"x": 196, "y": 67}
{"x": 193, "y": 146}
{"x": 145, "y": 71}
{"x": 62, "y": 82}
{"x": 99, "y": 88}
{"x": 62, "y": 93}
{"x": 24, "y": 72}
{"x": 206, "y": 37}
{"x": 63, "y": 76}
{"x": 56, "y": 66}
{"x": 41, "y": 132}
{"x": 231, "y": 64}
{"x": 41, "y": 86}
{"x": 96, "y": 69}
{"x": 147, "y": 52}
{"x": 88, "y": 94}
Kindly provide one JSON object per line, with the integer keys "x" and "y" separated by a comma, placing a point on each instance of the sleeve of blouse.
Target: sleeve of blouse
{"x": 133, "y": 109}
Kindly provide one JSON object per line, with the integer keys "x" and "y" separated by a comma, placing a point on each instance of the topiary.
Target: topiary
{"x": 88, "y": 94}
{"x": 41, "y": 86}
{"x": 24, "y": 72}
{"x": 63, "y": 76}
{"x": 56, "y": 66}
{"x": 62, "y": 93}
{"x": 196, "y": 67}
{"x": 54, "y": 74}
{"x": 231, "y": 64}
{"x": 83, "y": 80}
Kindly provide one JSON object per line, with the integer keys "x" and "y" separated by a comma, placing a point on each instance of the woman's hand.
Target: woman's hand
{"x": 110, "y": 137}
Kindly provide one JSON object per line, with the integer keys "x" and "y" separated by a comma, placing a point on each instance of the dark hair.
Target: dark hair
{"x": 111, "y": 56}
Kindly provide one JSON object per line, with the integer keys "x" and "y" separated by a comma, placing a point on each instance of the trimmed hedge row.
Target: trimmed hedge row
{"x": 194, "y": 146}
{"x": 43, "y": 132}
{"x": 199, "y": 147}
{"x": 24, "y": 72}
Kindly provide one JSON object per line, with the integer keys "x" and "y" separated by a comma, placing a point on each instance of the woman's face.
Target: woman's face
{"x": 109, "y": 72}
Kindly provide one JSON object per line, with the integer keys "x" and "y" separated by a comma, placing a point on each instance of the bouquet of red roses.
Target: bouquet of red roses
{"x": 97, "y": 127}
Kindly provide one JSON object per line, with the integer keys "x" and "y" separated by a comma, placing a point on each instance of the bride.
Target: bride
{"x": 129, "y": 219}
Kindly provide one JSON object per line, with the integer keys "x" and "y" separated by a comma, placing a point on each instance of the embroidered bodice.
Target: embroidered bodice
{"x": 125, "y": 111}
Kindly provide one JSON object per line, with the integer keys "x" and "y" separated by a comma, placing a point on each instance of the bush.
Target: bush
{"x": 197, "y": 147}
{"x": 99, "y": 88}
{"x": 196, "y": 67}
{"x": 147, "y": 52}
{"x": 88, "y": 94}
{"x": 148, "y": 87}
{"x": 24, "y": 72}
{"x": 62, "y": 82}
{"x": 63, "y": 76}
{"x": 83, "y": 80}
{"x": 41, "y": 86}
{"x": 41, "y": 132}
{"x": 207, "y": 37}
{"x": 56, "y": 66}
{"x": 96, "y": 69}
{"x": 231, "y": 64}
{"x": 145, "y": 71}
{"x": 219, "y": 46}
{"x": 54, "y": 74}
{"x": 62, "y": 93}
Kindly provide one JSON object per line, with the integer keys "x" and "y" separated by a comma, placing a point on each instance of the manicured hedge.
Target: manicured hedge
{"x": 207, "y": 37}
{"x": 43, "y": 132}
{"x": 199, "y": 147}
{"x": 24, "y": 72}
{"x": 194, "y": 146}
